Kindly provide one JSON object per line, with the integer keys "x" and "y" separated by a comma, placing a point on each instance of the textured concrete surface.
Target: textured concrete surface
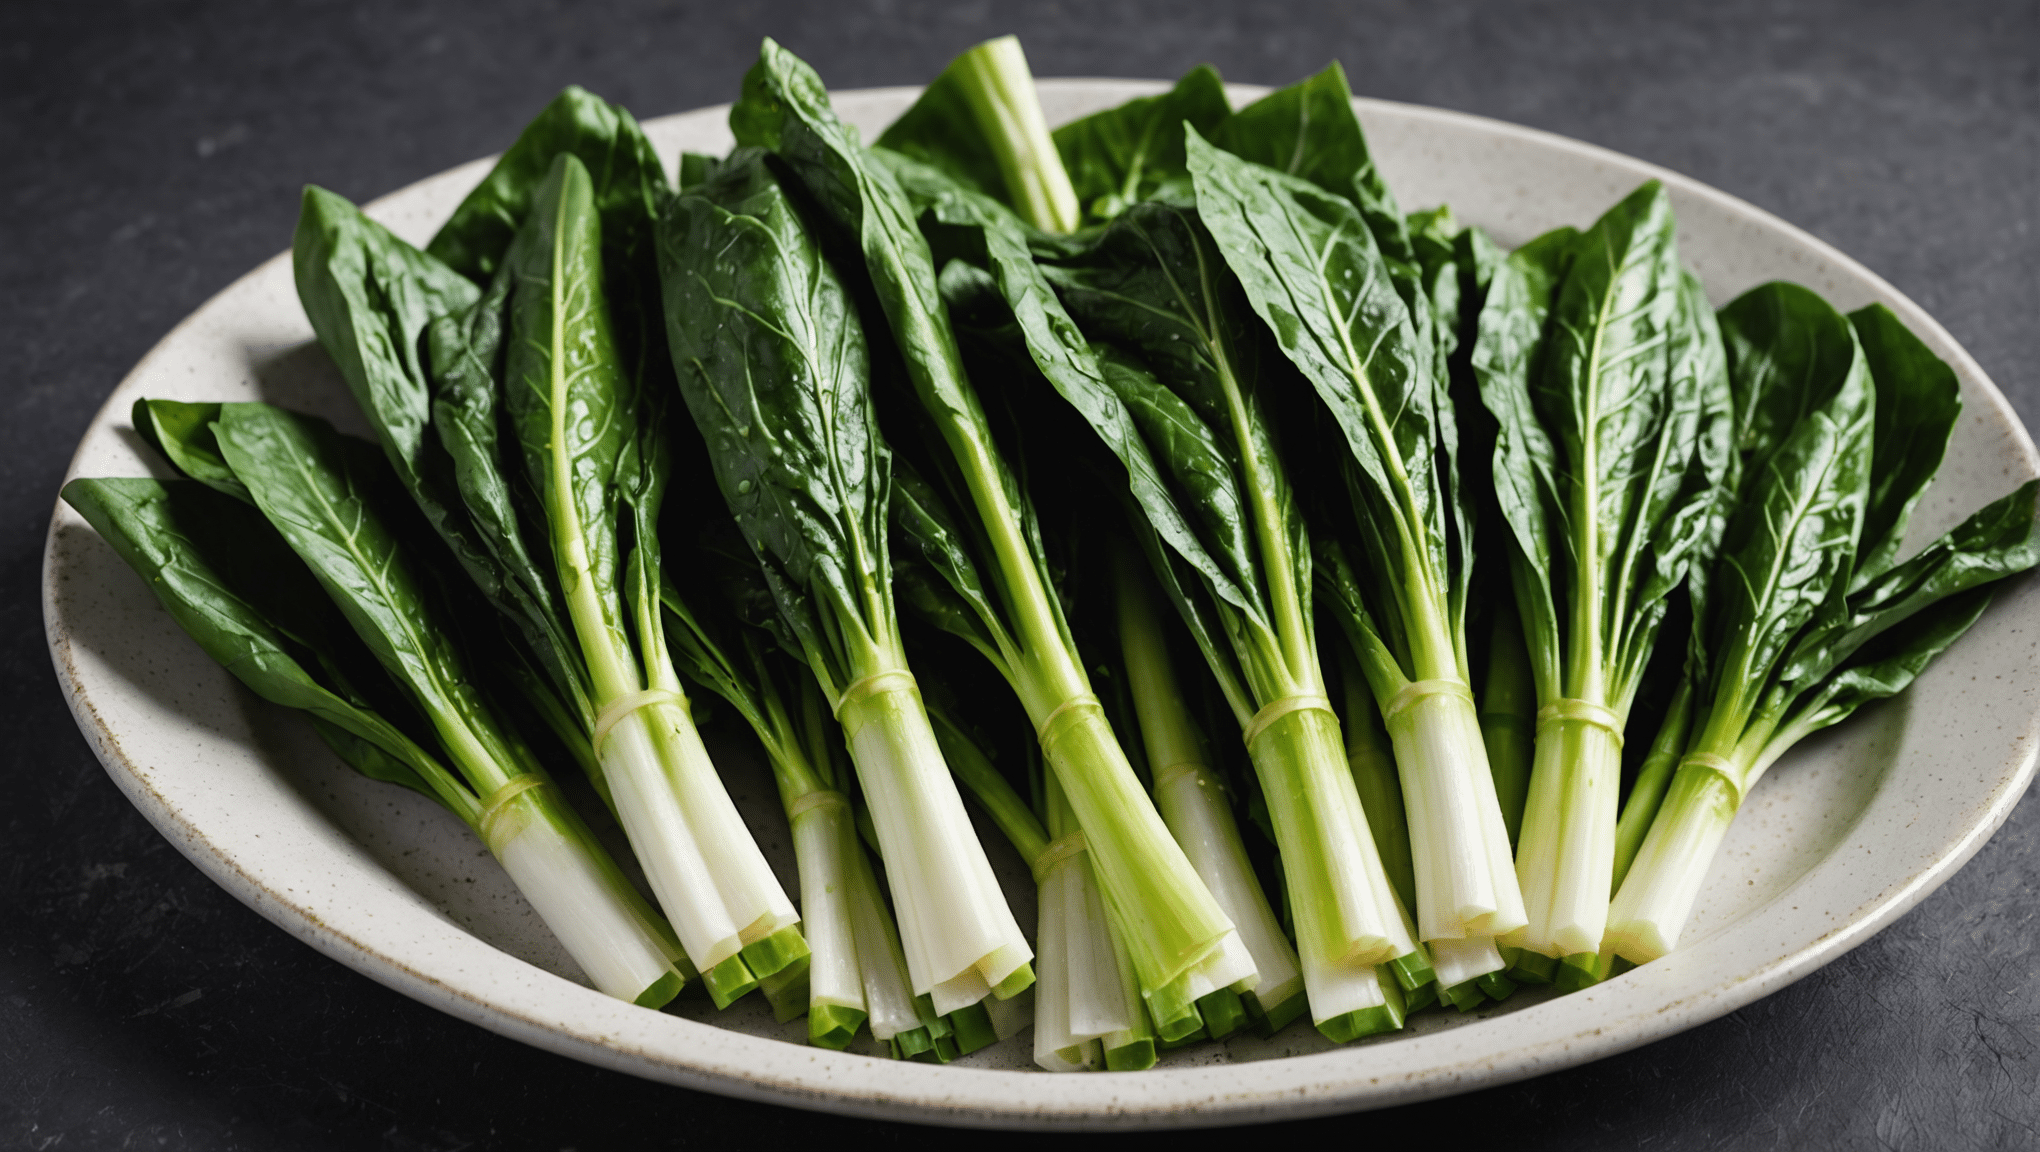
{"x": 153, "y": 152}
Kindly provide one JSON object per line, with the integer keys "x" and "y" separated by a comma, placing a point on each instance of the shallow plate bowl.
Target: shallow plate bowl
{"x": 1850, "y": 831}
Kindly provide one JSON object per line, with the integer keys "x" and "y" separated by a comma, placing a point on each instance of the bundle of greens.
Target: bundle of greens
{"x": 1177, "y": 397}
{"x": 772, "y": 360}
{"x": 975, "y": 531}
{"x": 734, "y": 646}
{"x": 1599, "y": 359}
{"x": 290, "y": 558}
{"x": 1227, "y": 537}
{"x": 1353, "y": 320}
{"x": 522, "y": 419}
{"x": 1807, "y": 615}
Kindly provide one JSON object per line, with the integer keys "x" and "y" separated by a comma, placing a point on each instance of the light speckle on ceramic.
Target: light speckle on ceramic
{"x": 1845, "y": 834}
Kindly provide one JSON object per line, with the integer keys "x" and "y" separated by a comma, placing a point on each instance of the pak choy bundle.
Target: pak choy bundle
{"x": 1806, "y": 614}
{"x": 1180, "y": 395}
{"x": 1166, "y": 363}
{"x": 292, "y": 558}
{"x": 982, "y": 543}
{"x": 773, "y": 362}
{"x": 1600, "y": 361}
{"x": 525, "y": 418}
{"x": 1297, "y": 211}
{"x": 727, "y": 637}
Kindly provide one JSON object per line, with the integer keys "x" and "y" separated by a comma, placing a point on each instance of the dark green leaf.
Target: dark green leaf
{"x": 785, "y": 109}
{"x": 467, "y": 352}
{"x": 1312, "y": 272}
{"x": 1121, "y": 156}
{"x": 2000, "y": 539}
{"x": 1790, "y": 541}
{"x": 1619, "y": 392}
{"x": 1154, "y": 282}
{"x": 1888, "y": 664}
{"x": 371, "y": 298}
{"x": 369, "y": 758}
{"x": 696, "y": 168}
{"x": 623, "y": 167}
{"x": 1716, "y": 465}
{"x": 1506, "y": 359}
{"x": 1788, "y": 353}
{"x": 321, "y": 491}
{"x": 773, "y": 364}
{"x": 227, "y": 579}
{"x": 1308, "y": 130}
{"x": 183, "y": 434}
{"x": 575, "y": 413}
{"x": 1139, "y": 421}
{"x": 1918, "y": 399}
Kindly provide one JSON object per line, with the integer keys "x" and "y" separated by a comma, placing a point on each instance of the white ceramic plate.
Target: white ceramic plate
{"x": 1853, "y": 829}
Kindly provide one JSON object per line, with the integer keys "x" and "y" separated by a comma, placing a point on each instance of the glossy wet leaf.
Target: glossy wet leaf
{"x": 774, "y": 367}
{"x": 621, "y": 163}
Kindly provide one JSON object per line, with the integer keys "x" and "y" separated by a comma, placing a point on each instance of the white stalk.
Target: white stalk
{"x": 1457, "y": 961}
{"x": 1139, "y": 1027}
{"x": 824, "y": 836}
{"x": 1657, "y": 896}
{"x": 1077, "y": 1000}
{"x": 1055, "y": 1047}
{"x": 1566, "y": 856}
{"x": 1097, "y": 992}
{"x": 960, "y": 938}
{"x": 1193, "y": 805}
{"x": 664, "y": 842}
{"x": 1338, "y": 987}
{"x": 749, "y": 889}
{"x": 1229, "y": 965}
{"x": 577, "y": 899}
{"x": 888, "y": 996}
{"x": 1466, "y": 877}
{"x": 1097, "y": 1006}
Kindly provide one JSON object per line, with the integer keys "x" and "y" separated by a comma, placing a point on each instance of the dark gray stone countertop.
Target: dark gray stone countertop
{"x": 152, "y": 152}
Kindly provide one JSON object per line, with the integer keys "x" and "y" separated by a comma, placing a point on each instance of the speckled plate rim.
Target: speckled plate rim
{"x": 425, "y": 956}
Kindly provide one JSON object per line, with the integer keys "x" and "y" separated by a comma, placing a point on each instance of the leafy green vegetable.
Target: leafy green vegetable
{"x": 387, "y": 314}
{"x": 1154, "y": 285}
{"x": 1606, "y": 496}
{"x": 224, "y": 577}
{"x": 1173, "y": 923}
{"x": 1918, "y": 400}
{"x": 586, "y": 435}
{"x": 1806, "y": 410}
{"x": 1088, "y": 1011}
{"x": 1308, "y": 130}
{"x": 230, "y": 582}
{"x": 785, "y": 708}
{"x": 1192, "y": 797}
{"x": 1312, "y": 271}
{"x": 773, "y": 364}
{"x": 603, "y": 136}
